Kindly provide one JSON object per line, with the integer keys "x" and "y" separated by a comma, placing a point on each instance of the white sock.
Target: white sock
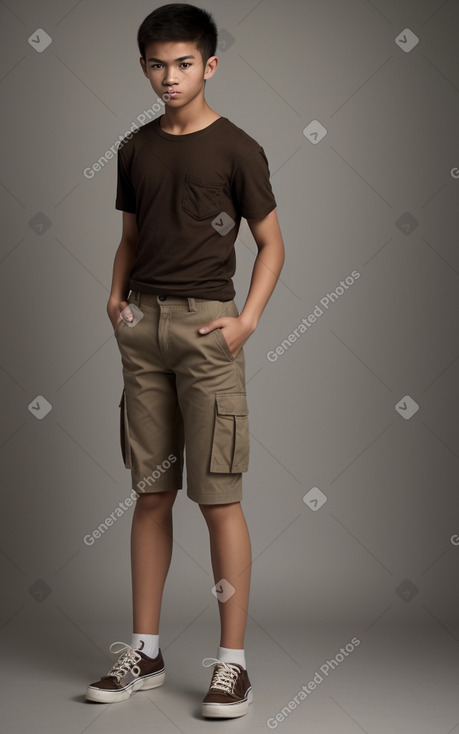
{"x": 227, "y": 655}
{"x": 150, "y": 644}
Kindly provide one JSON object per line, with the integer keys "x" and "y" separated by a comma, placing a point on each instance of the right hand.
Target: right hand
{"x": 114, "y": 308}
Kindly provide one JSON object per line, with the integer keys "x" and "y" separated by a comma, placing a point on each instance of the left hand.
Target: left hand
{"x": 235, "y": 331}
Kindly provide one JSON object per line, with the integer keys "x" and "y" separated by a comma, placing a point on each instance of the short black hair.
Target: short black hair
{"x": 179, "y": 22}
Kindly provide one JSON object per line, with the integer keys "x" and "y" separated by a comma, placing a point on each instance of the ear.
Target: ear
{"x": 143, "y": 64}
{"x": 211, "y": 67}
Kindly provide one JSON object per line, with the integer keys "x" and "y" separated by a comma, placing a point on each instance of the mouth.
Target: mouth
{"x": 172, "y": 92}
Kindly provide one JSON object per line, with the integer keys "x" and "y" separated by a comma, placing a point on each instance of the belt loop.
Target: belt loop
{"x": 135, "y": 298}
{"x": 191, "y": 304}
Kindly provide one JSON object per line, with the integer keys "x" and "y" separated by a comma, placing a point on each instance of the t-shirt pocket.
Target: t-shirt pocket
{"x": 202, "y": 199}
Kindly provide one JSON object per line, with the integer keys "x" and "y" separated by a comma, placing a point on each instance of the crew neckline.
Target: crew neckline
{"x": 185, "y": 136}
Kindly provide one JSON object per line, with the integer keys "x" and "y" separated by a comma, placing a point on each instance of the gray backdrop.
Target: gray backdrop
{"x": 352, "y": 493}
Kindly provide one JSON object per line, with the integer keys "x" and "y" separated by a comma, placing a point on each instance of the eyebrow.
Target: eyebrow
{"x": 181, "y": 58}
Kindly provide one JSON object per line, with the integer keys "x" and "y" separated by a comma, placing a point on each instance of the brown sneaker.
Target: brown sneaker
{"x": 230, "y": 691}
{"x": 132, "y": 671}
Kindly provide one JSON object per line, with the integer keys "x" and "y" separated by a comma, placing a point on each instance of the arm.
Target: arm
{"x": 122, "y": 264}
{"x": 267, "y": 267}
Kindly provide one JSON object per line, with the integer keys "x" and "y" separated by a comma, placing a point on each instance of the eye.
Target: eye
{"x": 155, "y": 66}
{"x": 185, "y": 64}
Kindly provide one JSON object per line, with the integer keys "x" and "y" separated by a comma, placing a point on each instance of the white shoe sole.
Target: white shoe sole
{"x": 227, "y": 710}
{"x": 104, "y": 696}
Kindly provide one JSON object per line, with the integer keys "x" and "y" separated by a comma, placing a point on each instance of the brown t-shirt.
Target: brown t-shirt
{"x": 186, "y": 191}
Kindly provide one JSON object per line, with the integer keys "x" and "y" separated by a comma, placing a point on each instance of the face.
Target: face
{"x": 176, "y": 68}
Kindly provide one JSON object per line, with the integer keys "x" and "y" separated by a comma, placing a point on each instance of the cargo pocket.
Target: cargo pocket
{"x": 230, "y": 444}
{"x": 124, "y": 432}
{"x": 201, "y": 199}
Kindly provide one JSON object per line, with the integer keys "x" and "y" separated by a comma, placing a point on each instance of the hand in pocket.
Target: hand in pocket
{"x": 114, "y": 310}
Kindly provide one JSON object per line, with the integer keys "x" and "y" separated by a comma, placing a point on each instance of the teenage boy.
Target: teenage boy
{"x": 184, "y": 181}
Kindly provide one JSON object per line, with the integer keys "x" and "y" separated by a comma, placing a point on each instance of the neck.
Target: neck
{"x": 194, "y": 116}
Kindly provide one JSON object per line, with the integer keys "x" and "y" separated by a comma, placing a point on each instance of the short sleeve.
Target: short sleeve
{"x": 125, "y": 193}
{"x": 251, "y": 186}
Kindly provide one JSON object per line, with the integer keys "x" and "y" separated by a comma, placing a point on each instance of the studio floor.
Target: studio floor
{"x": 394, "y": 680}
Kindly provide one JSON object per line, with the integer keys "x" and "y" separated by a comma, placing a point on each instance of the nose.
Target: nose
{"x": 168, "y": 78}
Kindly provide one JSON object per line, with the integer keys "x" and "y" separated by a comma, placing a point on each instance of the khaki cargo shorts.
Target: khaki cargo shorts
{"x": 182, "y": 390}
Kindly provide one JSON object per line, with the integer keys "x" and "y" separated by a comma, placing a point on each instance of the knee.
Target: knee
{"x": 156, "y": 502}
{"x": 216, "y": 514}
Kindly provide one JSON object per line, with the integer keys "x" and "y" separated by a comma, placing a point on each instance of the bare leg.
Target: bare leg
{"x": 151, "y": 553}
{"x": 231, "y": 556}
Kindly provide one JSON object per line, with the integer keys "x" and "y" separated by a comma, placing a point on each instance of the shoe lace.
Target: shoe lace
{"x": 127, "y": 662}
{"x": 224, "y": 676}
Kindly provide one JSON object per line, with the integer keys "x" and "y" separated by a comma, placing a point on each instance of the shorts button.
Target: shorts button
{"x": 162, "y": 298}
